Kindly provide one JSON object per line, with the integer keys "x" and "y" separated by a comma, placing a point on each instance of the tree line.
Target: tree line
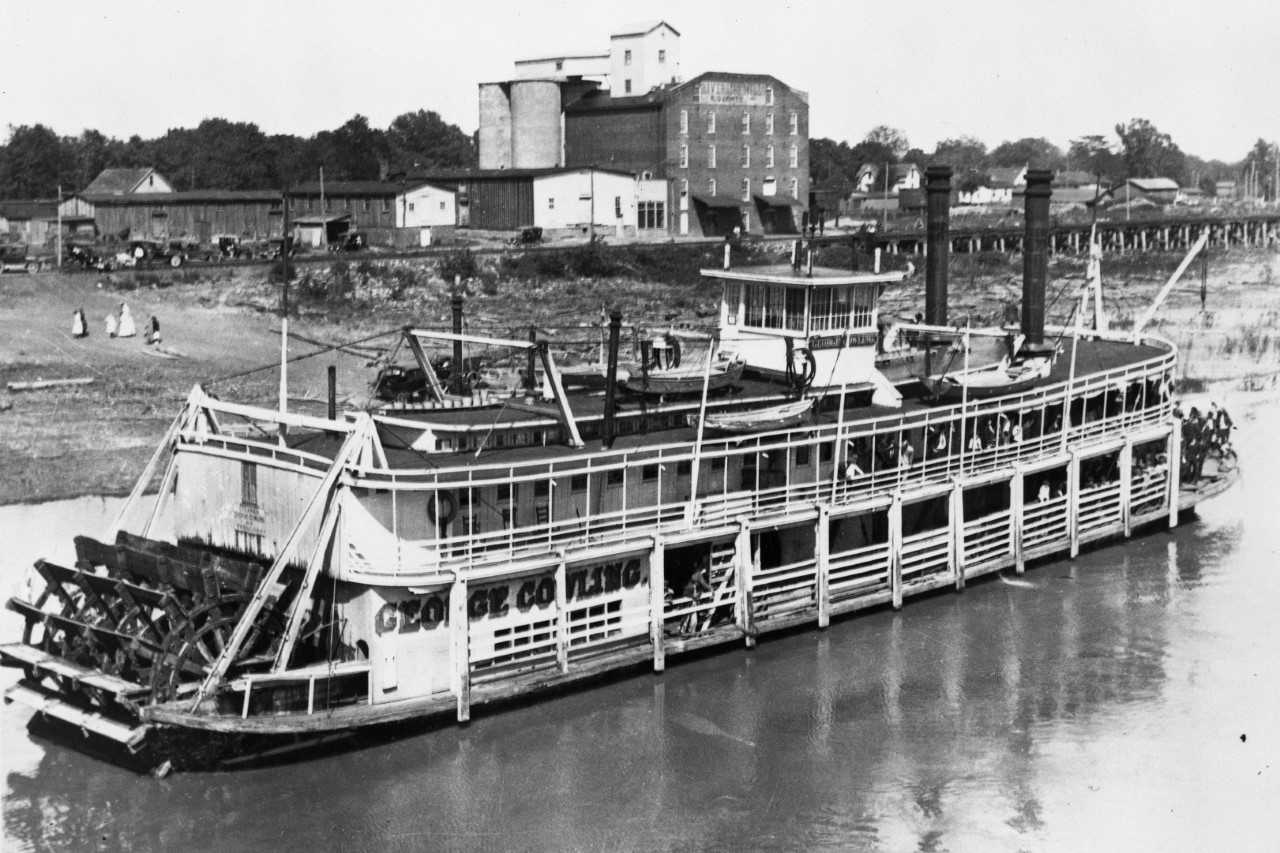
{"x": 221, "y": 154}
{"x": 1139, "y": 150}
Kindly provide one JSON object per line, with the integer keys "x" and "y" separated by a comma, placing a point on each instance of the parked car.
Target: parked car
{"x": 18, "y": 257}
{"x": 351, "y": 241}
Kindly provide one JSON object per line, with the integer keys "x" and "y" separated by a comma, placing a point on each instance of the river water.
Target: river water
{"x": 1126, "y": 700}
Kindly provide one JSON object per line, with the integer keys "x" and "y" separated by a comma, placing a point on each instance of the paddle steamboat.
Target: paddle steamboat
{"x": 295, "y": 577}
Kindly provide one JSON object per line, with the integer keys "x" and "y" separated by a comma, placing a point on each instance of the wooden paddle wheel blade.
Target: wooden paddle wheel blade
{"x": 127, "y": 734}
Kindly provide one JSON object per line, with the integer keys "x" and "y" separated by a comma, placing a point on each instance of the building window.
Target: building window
{"x": 626, "y": 87}
{"x": 711, "y": 186}
{"x": 768, "y": 124}
{"x": 386, "y": 205}
{"x": 578, "y": 483}
{"x": 662, "y": 55}
{"x": 652, "y": 214}
{"x": 684, "y": 122}
{"x": 711, "y": 122}
{"x": 746, "y": 189}
{"x": 768, "y": 157}
{"x": 795, "y": 124}
{"x": 366, "y": 205}
{"x": 684, "y": 156}
{"x": 411, "y": 207}
{"x": 559, "y": 64}
{"x": 793, "y": 157}
{"x": 617, "y": 207}
{"x": 768, "y": 96}
{"x": 249, "y": 483}
{"x": 648, "y": 472}
{"x": 746, "y": 123}
{"x": 795, "y": 188}
{"x": 626, "y": 57}
{"x": 769, "y": 186}
{"x": 746, "y": 156}
{"x": 551, "y": 202}
{"x": 684, "y": 194}
{"x": 711, "y": 156}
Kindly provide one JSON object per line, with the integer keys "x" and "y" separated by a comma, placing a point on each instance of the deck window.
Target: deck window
{"x": 864, "y": 308}
{"x": 774, "y": 307}
{"x": 614, "y": 477}
{"x": 830, "y": 309}
{"x": 578, "y": 483}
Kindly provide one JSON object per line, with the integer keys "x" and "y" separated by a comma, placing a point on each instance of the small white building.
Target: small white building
{"x": 426, "y": 205}
{"x": 575, "y": 198}
{"x": 643, "y": 57}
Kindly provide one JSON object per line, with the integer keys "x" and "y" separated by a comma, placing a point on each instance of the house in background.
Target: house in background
{"x": 28, "y": 221}
{"x": 902, "y": 176}
{"x": 127, "y": 182}
{"x": 1156, "y": 191}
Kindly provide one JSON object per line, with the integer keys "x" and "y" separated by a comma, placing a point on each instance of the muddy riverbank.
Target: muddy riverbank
{"x": 94, "y": 439}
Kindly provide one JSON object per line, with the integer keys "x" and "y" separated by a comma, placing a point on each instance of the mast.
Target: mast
{"x": 284, "y": 313}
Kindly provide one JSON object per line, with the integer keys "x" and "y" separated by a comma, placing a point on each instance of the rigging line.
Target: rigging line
{"x": 275, "y": 364}
{"x": 492, "y": 424}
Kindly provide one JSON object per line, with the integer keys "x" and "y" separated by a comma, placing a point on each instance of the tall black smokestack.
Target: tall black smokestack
{"x": 608, "y": 429}
{"x": 1035, "y": 258}
{"x": 937, "y": 189}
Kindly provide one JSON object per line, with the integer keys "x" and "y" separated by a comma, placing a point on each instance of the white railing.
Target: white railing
{"x": 986, "y": 539}
{"x": 925, "y": 553}
{"x": 858, "y": 572}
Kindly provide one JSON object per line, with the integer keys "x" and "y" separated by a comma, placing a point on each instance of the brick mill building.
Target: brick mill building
{"x": 719, "y": 151}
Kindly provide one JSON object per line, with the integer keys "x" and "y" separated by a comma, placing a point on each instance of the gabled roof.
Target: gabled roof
{"x": 737, "y": 76}
{"x": 118, "y": 181}
{"x": 185, "y": 196}
{"x": 1074, "y": 178}
{"x": 1006, "y": 176}
{"x": 642, "y": 28}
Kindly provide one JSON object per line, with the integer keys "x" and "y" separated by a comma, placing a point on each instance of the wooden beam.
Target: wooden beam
{"x": 895, "y": 549}
{"x": 300, "y": 607}
{"x": 1073, "y": 503}
{"x": 419, "y": 355}
{"x": 460, "y": 647}
{"x": 822, "y": 563}
{"x": 1017, "y": 508}
{"x": 1126, "y": 486}
{"x": 1175, "y": 470}
{"x": 744, "y": 562}
{"x": 658, "y": 603}
{"x": 562, "y": 615}
{"x": 149, "y": 470}
{"x": 562, "y": 401}
{"x": 469, "y": 339}
{"x": 955, "y": 519}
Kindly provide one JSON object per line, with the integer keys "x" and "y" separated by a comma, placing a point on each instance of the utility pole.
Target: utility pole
{"x": 591, "y": 176}
{"x": 323, "y": 211}
{"x": 59, "y": 227}
{"x": 884, "y": 201}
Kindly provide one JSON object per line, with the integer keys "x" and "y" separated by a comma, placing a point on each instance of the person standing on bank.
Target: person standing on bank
{"x": 79, "y": 328}
{"x": 126, "y": 329}
{"x": 152, "y": 333}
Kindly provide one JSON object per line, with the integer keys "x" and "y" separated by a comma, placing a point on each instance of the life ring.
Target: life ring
{"x": 673, "y": 350}
{"x": 804, "y": 378}
{"x": 448, "y": 508}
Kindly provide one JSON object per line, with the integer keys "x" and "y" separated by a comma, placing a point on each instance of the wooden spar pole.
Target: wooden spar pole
{"x": 839, "y": 450}
{"x": 690, "y": 511}
{"x": 964, "y": 398}
{"x": 1066, "y": 399}
{"x": 284, "y": 315}
{"x": 170, "y": 435}
{"x": 301, "y": 605}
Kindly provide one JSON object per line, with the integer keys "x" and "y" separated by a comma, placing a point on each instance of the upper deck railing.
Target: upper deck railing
{"x": 1113, "y": 402}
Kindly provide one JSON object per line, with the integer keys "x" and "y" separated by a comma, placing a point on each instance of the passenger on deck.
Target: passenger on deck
{"x": 975, "y": 443}
{"x": 1043, "y": 494}
{"x": 906, "y": 454}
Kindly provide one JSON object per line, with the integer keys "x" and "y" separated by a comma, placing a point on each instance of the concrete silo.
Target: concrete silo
{"x": 495, "y": 126}
{"x": 535, "y": 124}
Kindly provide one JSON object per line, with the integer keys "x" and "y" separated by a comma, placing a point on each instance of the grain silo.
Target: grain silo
{"x": 535, "y": 124}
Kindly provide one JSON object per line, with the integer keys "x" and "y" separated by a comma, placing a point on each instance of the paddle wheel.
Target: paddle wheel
{"x": 135, "y": 623}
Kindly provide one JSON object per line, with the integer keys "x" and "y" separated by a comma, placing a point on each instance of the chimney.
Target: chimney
{"x": 938, "y": 243}
{"x": 608, "y": 429}
{"x": 456, "y": 372}
{"x": 1035, "y": 259}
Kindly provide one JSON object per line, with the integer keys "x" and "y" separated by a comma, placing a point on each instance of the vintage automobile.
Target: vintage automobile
{"x": 18, "y": 257}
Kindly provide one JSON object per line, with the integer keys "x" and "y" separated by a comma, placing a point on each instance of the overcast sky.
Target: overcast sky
{"x": 1207, "y": 73}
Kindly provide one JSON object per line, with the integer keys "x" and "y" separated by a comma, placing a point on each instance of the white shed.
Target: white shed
{"x": 426, "y": 205}
{"x": 573, "y": 198}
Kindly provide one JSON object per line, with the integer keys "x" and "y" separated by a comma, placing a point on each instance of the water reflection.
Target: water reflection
{"x": 1096, "y": 698}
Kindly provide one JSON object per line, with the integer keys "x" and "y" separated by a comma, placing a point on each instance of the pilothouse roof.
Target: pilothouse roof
{"x": 818, "y": 277}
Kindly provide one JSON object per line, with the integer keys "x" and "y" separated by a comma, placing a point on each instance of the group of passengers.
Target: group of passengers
{"x": 1203, "y": 435}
